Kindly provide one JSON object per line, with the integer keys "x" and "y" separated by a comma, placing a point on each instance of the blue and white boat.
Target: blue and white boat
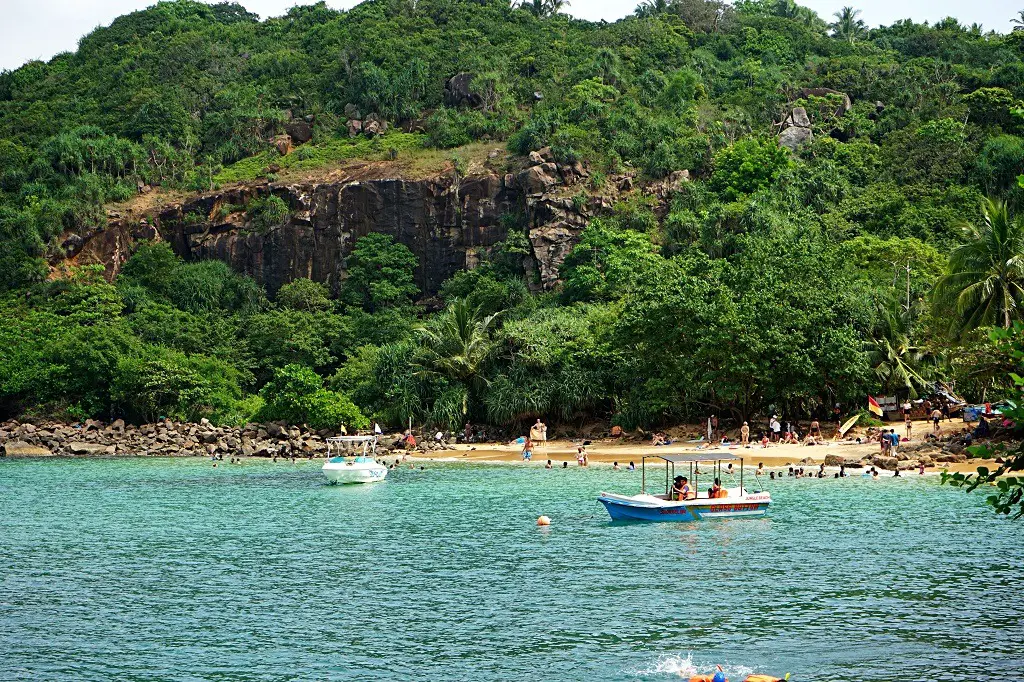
{"x": 728, "y": 503}
{"x": 356, "y": 461}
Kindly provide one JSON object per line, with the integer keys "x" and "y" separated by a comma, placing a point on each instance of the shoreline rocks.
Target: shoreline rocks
{"x": 93, "y": 438}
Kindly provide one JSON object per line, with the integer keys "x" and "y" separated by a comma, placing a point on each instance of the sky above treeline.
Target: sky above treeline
{"x": 42, "y": 28}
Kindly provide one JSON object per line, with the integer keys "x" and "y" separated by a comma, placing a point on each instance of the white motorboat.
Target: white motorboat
{"x": 353, "y": 459}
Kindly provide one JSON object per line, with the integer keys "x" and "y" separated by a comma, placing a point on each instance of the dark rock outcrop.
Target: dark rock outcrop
{"x": 458, "y": 92}
{"x": 326, "y": 219}
{"x": 447, "y": 228}
{"x": 300, "y": 131}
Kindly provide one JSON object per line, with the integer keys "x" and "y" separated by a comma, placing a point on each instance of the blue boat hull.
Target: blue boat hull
{"x": 621, "y": 510}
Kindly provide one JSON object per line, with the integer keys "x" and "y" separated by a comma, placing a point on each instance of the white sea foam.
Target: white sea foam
{"x": 672, "y": 665}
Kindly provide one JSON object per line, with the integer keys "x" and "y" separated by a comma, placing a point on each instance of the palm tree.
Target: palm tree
{"x": 607, "y": 64}
{"x": 895, "y": 359}
{"x": 984, "y": 281}
{"x": 650, "y": 8}
{"x": 847, "y": 26}
{"x": 1019, "y": 21}
{"x": 543, "y": 8}
{"x": 455, "y": 346}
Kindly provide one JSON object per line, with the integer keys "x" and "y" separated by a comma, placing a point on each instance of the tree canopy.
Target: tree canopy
{"x": 760, "y": 279}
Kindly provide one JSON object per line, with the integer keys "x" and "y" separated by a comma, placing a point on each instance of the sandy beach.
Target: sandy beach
{"x": 624, "y": 450}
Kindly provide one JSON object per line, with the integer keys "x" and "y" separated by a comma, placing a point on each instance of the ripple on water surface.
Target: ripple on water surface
{"x": 174, "y": 569}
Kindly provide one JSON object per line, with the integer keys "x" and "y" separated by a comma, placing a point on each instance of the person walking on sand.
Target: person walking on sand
{"x": 528, "y": 450}
{"x": 776, "y": 427}
{"x": 745, "y": 434}
{"x": 936, "y": 418}
{"x": 910, "y": 425}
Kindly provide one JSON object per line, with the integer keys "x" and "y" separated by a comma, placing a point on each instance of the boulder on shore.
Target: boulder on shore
{"x": 19, "y": 448}
{"x": 883, "y": 462}
{"x": 80, "y": 448}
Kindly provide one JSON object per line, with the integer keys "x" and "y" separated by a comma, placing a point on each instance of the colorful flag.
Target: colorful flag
{"x": 873, "y": 407}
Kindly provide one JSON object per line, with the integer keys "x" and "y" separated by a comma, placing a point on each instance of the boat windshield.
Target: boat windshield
{"x": 361, "y": 447}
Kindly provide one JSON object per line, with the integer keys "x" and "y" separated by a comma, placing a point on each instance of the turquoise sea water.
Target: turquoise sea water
{"x": 170, "y": 569}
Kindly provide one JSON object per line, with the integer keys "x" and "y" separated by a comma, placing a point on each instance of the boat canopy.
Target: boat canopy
{"x": 351, "y": 439}
{"x": 694, "y": 457}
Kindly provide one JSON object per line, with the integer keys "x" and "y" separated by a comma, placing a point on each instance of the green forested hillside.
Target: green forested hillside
{"x": 772, "y": 280}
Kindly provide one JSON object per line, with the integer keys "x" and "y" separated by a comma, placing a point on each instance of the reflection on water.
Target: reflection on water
{"x": 173, "y": 569}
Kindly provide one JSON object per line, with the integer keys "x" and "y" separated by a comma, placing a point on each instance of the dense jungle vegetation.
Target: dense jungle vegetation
{"x": 771, "y": 281}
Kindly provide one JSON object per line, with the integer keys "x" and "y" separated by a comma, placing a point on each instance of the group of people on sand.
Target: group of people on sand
{"x": 776, "y": 434}
{"x": 661, "y": 438}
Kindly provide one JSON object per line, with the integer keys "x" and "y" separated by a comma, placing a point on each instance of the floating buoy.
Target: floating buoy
{"x": 543, "y": 521}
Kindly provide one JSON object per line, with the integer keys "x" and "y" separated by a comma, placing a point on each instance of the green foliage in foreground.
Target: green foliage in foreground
{"x": 1008, "y": 494}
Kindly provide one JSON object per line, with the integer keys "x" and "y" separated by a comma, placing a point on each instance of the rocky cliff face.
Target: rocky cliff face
{"x": 448, "y": 226}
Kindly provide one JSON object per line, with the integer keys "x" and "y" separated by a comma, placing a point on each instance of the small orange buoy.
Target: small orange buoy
{"x": 543, "y": 521}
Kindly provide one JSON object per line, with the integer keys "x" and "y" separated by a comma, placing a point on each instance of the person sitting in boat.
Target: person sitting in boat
{"x": 681, "y": 489}
{"x": 716, "y": 489}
